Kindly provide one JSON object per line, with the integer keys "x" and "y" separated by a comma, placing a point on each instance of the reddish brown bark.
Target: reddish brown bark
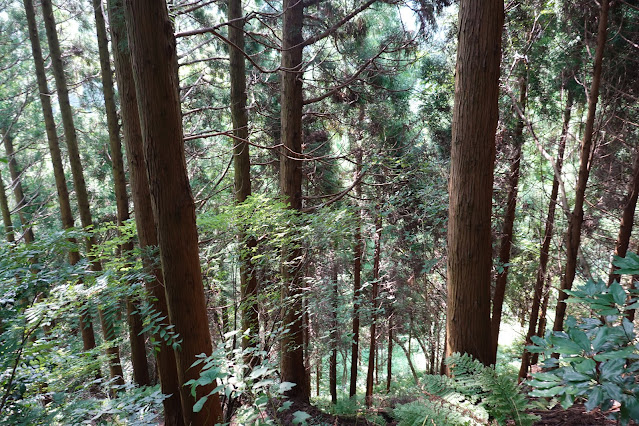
{"x": 509, "y": 219}
{"x": 334, "y": 335}
{"x": 292, "y": 356}
{"x": 66, "y": 216}
{"x": 545, "y": 245}
{"x": 242, "y": 180}
{"x": 6, "y": 213}
{"x": 141, "y": 196}
{"x": 136, "y": 337}
{"x": 471, "y": 178}
{"x": 573, "y": 237}
{"x": 154, "y": 59}
{"x": 627, "y": 220}
{"x": 389, "y": 364}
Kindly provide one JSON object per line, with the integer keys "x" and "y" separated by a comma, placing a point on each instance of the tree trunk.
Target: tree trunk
{"x": 147, "y": 234}
{"x": 333, "y": 334}
{"x": 242, "y": 165}
{"x": 86, "y": 324}
{"x": 509, "y": 220}
{"x": 292, "y": 357}
{"x": 471, "y": 178}
{"x": 541, "y": 329}
{"x": 573, "y": 237}
{"x": 627, "y": 219}
{"x": 389, "y": 364}
{"x": 545, "y": 245}
{"x": 409, "y": 359}
{"x": 374, "y": 301}
{"x": 357, "y": 273}
{"x": 6, "y": 214}
{"x": 18, "y": 192}
{"x": 136, "y": 337}
{"x": 108, "y": 329}
{"x": 154, "y": 59}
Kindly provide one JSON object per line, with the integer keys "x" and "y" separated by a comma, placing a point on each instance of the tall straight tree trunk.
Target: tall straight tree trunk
{"x": 471, "y": 178}
{"x": 6, "y": 214}
{"x": 573, "y": 236}
{"x": 389, "y": 364}
{"x": 18, "y": 192}
{"x": 108, "y": 329}
{"x": 242, "y": 179}
{"x": 509, "y": 221}
{"x": 358, "y": 250}
{"x": 333, "y": 333}
{"x": 627, "y": 219}
{"x": 154, "y": 59}
{"x": 292, "y": 357}
{"x": 545, "y": 245}
{"x": 136, "y": 336}
{"x": 541, "y": 328}
{"x": 144, "y": 221}
{"x": 86, "y": 324}
{"x": 374, "y": 301}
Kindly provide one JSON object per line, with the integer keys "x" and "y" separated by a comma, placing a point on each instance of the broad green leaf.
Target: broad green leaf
{"x": 618, "y": 293}
{"x": 300, "y": 417}
{"x": 554, "y": 391}
{"x": 620, "y": 354}
{"x": 580, "y": 338}
{"x": 594, "y": 398}
{"x": 285, "y": 387}
{"x": 586, "y": 366}
{"x": 199, "y": 404}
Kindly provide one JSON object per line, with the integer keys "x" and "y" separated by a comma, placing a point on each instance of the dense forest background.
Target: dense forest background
{"x": 225, "y": 211}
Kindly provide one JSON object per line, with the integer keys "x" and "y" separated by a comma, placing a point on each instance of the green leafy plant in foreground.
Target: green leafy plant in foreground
{"x": 473, "y": 395}
{"x": 597, "y": 355}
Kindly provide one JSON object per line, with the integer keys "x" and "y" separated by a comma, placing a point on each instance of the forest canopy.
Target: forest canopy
{"x": 318, "y": 212}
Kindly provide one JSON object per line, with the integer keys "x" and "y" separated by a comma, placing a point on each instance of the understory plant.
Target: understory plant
{"x": 596, "y": 356}
{"x": 473, "y": 395}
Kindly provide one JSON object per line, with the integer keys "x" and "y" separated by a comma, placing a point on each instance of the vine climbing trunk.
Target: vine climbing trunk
{"x": 154, "y": 58}
{"x": 66, "y": 216}
{"x": 474, "y": 124}
{"x": 545, "y": 245}
{"x": 136, "y": 336}
{"x": 573, "y": 236}
{"x": 517, "y": 139}
{"x": 147, "y": 234}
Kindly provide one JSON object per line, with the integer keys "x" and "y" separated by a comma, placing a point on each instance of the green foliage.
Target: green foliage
{"x": 471, "y": 396}
{"x": 598, "y": 354}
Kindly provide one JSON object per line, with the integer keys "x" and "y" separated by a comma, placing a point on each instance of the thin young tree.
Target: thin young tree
{"x": 242, "y": 179}
{"x": 79, "y": 183}
{"x": 573, "y": 236}
{"x": 136, "y": 336}
{"x": 66, "y": 216}
{"x": 516, "y": 137}
{"x": 154, "y": 58}
{"x": 374, "y": 305}
{"x": 471, "y": 178}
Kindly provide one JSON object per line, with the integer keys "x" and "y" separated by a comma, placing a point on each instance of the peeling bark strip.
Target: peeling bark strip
{"x": 154, "y": 61}
{"x": 573, "y": 237}
{"x": 144, "y": 221}
{"x": 471, "y": 178}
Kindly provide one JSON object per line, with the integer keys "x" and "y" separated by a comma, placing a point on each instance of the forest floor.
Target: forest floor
{"x": 574, "y": 416}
